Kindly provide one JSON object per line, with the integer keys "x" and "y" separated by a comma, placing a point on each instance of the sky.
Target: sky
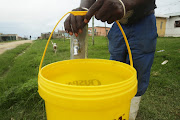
{"x": 33, "y": 17}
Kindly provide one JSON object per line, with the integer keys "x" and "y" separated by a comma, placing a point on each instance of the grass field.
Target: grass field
{"x": 19, "y": 99}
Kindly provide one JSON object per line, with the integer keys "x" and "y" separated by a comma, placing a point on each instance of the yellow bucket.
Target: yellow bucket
{"x": 87, "y": 89}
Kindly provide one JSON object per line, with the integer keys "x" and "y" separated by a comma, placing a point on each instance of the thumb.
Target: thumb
{"x": 93, "y": 9}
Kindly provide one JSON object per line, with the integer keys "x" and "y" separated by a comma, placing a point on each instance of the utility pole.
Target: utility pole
{"x": 93, "y": 30}
{"x": 106, "y": 33}
{"x": 105, "y": 28}
{"x": 63, "y": 33}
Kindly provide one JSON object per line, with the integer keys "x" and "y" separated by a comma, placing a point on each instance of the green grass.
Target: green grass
{"x": 18, "y": 90}
{"x": 7, "y": 59}
{"x": 161, "y": 101}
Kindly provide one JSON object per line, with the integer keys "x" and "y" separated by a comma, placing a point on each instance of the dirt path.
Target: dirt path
{"x": 11, "y": 45}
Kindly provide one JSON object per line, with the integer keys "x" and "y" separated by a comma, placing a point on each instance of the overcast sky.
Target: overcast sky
{"x": 32, "y": 17}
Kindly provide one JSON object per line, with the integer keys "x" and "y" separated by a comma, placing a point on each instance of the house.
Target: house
{"x": 99, "y": 31}
{"x": 56, "y": 35}
{"x": 173, "y": 25}
{"x": 62, "y": 33}
{"x": 20, "y": 38}
{"x": 161, "y": 21}
{"x": 45, "y": 35}
{"x": 8, "y": 37}
{"x": 168, "y": 25}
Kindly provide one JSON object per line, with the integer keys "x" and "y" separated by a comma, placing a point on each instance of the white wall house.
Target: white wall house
{"x": 8, "y": 37}
{"x": 173, "y": 25}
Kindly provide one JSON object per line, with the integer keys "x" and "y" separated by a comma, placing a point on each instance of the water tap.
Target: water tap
{"x": 76, "y": 46}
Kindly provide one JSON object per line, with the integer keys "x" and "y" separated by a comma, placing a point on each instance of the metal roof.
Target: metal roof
{"x": 161, "y": 16}
{"x": 173, "y": 14}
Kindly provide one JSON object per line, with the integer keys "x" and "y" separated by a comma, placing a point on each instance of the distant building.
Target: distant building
{"x": 24, "y": 38}
{"x": 56, "y": 35}
{"x": 63, "y": 33}
{"x": 8, "y": 37}
{"x": 20, "y": 38}
{"x": 161, "y": 24}
{"x": 173, "y": 25}
{"x": 168, "y": 25}
{"x": 99, "y": 31}
{"x": 45, "y": 35}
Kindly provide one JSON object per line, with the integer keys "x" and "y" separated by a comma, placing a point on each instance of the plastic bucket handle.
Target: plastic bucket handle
{"x": 82, "y": 13}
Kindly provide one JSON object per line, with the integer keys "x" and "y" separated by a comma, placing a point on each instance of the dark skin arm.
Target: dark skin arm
{"x": 111, "y": 10}
{"x": 104, "y": 10}
{"x": 87, "y": 3}
{"x": 75, "y": 24}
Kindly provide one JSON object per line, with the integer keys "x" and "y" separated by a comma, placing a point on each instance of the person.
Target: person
{"x": 139, "y": 23}
{"x": 30, "y": 37}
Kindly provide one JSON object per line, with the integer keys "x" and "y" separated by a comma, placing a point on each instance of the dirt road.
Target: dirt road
{"x": 11, "y": 45}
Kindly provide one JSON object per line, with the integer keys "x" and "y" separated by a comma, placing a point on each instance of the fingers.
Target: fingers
{"x": 67, "y": 25}
{"x": 106, "y": 17}
{"x": 111, "y": 20}
{"x": 108, "y": 10}
{"x": 118, "y": 14}
{"x": 93, "y": 9}
{"x": 83, "y": 24}
{"x": 77, "y": 24}
{"x": 73, "y": 24}
{"x": 103, "y": 13}
{"x": 114, "y": 17}
{"x": 80, "y": 20}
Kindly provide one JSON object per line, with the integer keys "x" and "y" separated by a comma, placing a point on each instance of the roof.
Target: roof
{"x": 168, "y": 15}
{"x": 61, "y": 31}
{"x": 173, "y": 14}
{"x": 161, "y": 16}
{"x": 46, "y": 33}
{"x": 8, "y": 35}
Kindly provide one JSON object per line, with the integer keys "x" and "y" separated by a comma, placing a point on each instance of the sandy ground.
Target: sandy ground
{"x": 11, "y": 45}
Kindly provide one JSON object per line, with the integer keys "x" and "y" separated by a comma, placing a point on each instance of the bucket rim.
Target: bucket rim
{"x": 89, "y": 87}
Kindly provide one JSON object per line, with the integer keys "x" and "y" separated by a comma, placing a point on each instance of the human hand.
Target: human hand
{"x": 107, "y": 10}
{"x": 74, "y": 24}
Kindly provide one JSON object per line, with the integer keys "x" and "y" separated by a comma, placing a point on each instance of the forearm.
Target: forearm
{"x": 87, "y": 3}
{"x": 130, "y": 3}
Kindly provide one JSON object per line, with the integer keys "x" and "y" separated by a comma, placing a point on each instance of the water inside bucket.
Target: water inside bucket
{"x": 86, "y": 76}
